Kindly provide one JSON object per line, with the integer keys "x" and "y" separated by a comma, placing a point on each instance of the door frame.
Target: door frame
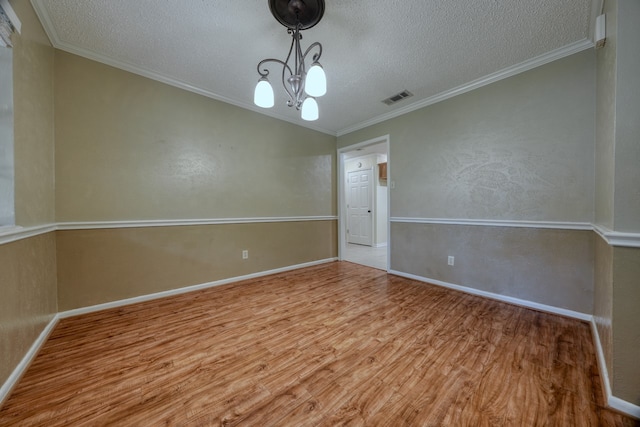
{"x": 342, "y": 205}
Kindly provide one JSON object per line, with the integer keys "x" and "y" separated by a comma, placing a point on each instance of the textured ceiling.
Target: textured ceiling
{"x": 372, "y": 49}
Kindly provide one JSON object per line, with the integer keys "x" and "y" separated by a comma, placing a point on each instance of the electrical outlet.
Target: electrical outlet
{"x": 450, "y": 260}
{"x": 245, "y": 254}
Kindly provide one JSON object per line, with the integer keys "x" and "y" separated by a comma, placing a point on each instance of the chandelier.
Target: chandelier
{"x": 302, "y": 85}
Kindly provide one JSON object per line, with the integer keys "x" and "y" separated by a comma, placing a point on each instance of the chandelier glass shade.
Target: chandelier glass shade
{"x": 303, "y": 82}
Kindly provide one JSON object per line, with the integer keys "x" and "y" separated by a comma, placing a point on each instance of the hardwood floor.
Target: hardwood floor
{"x": 336, "y": 344}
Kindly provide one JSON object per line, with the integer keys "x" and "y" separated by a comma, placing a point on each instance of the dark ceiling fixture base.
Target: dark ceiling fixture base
{"x": 303, "y": 14}
{"x": 303, "y": 78}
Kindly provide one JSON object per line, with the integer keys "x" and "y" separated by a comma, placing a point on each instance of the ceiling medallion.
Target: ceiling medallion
{"x": 301, "y": 84}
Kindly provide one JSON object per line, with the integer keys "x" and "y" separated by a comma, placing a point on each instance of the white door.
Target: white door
{"x": 359, "y": 202}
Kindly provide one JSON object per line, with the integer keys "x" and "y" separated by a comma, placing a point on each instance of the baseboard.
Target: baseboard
{"x": 613, "y": 402}
{"x": 179, "y": 291}
{"x": 624, "y": 407}
{"x": 516, "y": 301}
{"x": 17, "y": 373}
{"x": 602, "y": 364}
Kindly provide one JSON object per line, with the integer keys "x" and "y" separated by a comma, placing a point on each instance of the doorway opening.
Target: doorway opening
{"x": 363, "y": 177}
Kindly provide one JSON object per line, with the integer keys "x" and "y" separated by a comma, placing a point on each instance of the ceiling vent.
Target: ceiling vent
{"x": 397, "y": 97}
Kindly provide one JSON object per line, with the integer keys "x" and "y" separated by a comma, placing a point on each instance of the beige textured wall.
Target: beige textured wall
{"x": 626, "y": 324}
{"x": 28, "y": 267}
{"x": 129, "y": 148}
{"x": 605, "y": 120}
{"x": 33, "y": 59}
{"x": 617, "y": 272}
{"x": 627, "y": 118}
{"x": 605, "y": 179}
{"x": 546, "y": 266}
{"x": 626, "y": 261}
{"x": 97, "y": 266}
{"x": 518, "y": 149}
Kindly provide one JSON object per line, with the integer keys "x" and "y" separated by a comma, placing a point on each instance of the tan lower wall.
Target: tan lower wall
{"x": 546, "y": 266}
{"x": 28, "y": 302}
{"x": 625, "y": 380}
{"x": 102, "y": 265}
{"x": 602, "y": 298}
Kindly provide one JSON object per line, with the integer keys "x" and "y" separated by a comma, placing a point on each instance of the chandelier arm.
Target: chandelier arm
{"x": 265, "y": 72}
{"x": 317, "y": 55}
{"x": 294, "y": 67}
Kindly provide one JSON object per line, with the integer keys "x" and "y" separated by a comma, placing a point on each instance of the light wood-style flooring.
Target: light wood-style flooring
{"x": 335, "y": 344}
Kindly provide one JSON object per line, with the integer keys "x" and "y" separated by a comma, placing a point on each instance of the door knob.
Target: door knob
{"x": 369, "y": 211}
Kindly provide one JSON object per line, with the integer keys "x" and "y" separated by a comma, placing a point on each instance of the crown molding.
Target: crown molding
{"x": 56, "y": 42}
{"x": 554, "y": 55}
{"x": 596, "y": 8}
{"x": 122, "y": 65}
